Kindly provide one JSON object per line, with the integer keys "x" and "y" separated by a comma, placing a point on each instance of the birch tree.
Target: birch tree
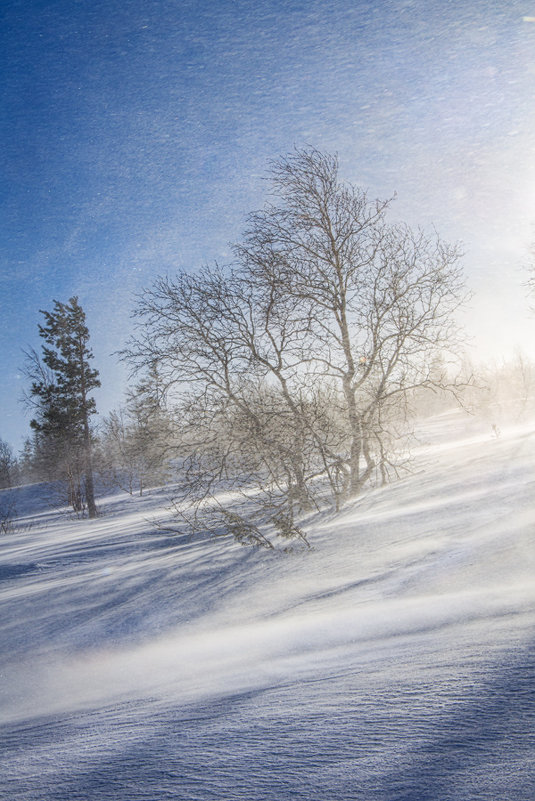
{"x": 295, "y": 366}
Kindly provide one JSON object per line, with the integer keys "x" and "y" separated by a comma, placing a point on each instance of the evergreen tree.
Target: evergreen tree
{"x": 63, "y": 400}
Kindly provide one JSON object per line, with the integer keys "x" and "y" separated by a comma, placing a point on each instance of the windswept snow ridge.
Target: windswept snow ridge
{"x": 395, "y": 661}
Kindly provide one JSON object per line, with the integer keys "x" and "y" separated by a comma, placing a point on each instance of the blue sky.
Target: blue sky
{"x": 135, "y": 136}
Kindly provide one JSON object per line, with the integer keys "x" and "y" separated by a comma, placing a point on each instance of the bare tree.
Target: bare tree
{"x": 8, "y": 465}
{"x": 241, "y": 421}
{"x": 506, "y": 391}
{"x": 378, "y": 300}
{"x": 136, "y": 441}
{"x": 294, "y": 369}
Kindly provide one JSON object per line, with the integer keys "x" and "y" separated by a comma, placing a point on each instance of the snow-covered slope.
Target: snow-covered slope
{"x": 395, "y": 661}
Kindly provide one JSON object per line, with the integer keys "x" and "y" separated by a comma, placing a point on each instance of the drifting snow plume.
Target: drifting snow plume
{"x": 392, "y": 659}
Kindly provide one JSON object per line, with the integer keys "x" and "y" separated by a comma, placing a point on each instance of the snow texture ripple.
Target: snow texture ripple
{"x": 393, "y": 663}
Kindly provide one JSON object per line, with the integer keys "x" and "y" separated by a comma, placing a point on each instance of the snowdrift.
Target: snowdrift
{"x": 394, "y": 661}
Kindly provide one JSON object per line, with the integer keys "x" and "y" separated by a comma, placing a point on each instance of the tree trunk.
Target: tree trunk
{"x": 89, "y": 484}
{"x": 355, "y": 428}
{"x": 354, "y": 465}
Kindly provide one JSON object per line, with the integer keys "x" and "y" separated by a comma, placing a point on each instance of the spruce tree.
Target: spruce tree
{"x": 63, "y": 398}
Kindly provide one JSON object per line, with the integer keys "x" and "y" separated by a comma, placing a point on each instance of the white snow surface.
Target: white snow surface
{"x": 394, "y": 661}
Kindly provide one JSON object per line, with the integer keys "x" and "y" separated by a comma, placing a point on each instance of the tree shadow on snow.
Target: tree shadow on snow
{"x": 224, "y": 749}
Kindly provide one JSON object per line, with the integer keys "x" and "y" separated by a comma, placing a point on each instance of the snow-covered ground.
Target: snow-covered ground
{"x": 394, "y": 661}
